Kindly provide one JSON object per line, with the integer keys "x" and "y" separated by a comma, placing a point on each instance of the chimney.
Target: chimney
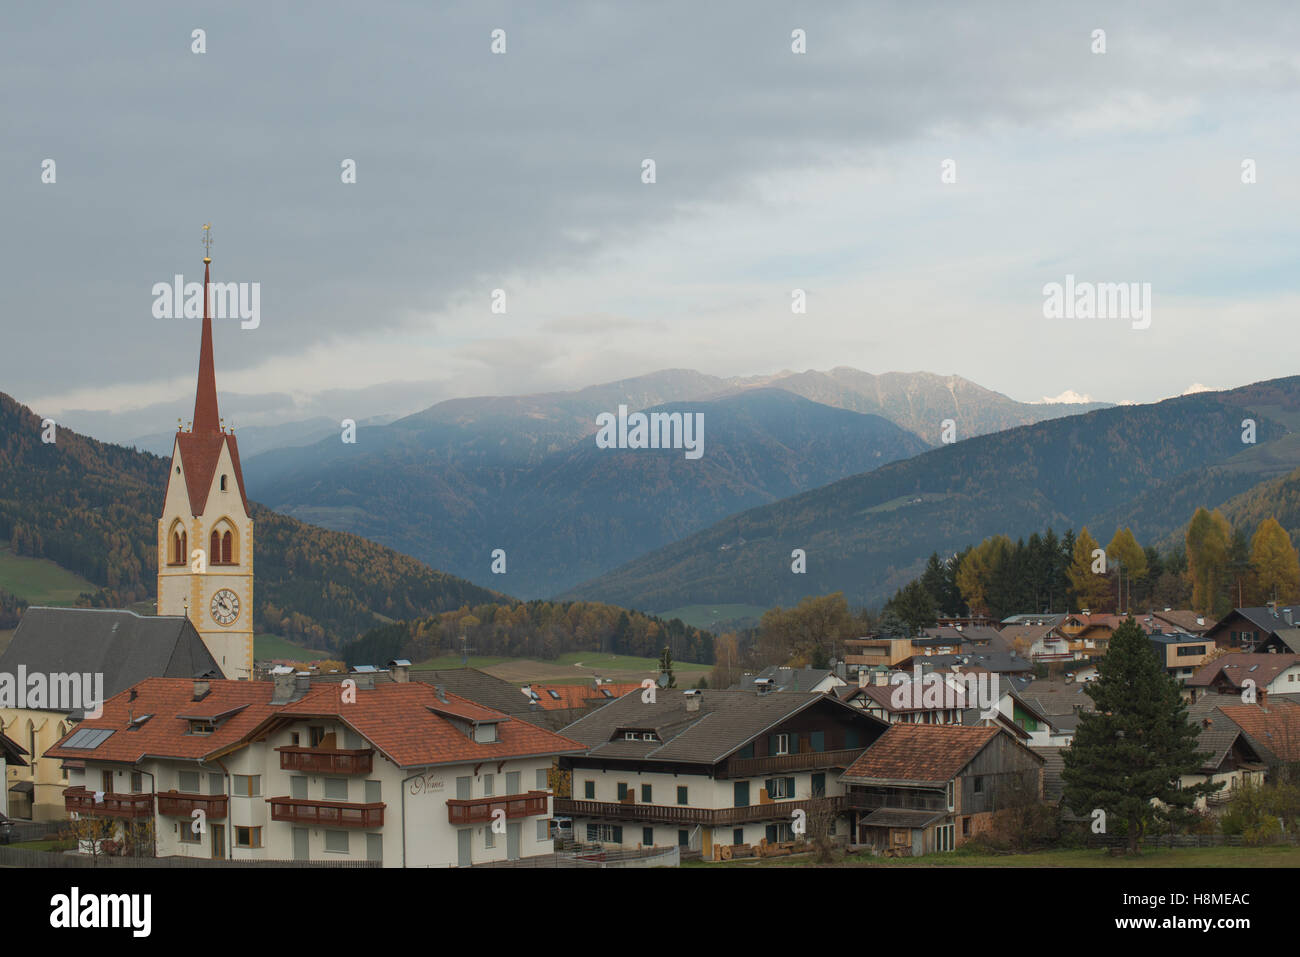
{"x": 1286, "y": 616}
{"x": 284, "y": 686}
{"x": 1261, "y": 697}
{"x": 201, "y": 688}
{"x": 863, "y": 675}
{"x": 441, "y": 692}
{"x": 301, "y": 684}
{"x": 1200, "y": 619}
{"x": 400, "y": 668}
{"x": 692, "y": 700}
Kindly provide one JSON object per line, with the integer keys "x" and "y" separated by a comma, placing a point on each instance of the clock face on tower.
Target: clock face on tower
{"x": 225, "y": 607}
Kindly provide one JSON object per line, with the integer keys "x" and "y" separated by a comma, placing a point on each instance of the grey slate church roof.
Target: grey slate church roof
{"x": 125, "y": 647}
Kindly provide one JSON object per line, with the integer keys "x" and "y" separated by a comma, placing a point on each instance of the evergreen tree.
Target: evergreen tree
{"x": 913, "y": 604}
{"x": 1137, "y": 744}
{"x": 666, "y": 667}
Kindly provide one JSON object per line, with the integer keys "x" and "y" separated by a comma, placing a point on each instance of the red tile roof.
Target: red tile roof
{"x": 397, "y": 719}
{"x": 1236, "y": 667}
{"x": 921, "y": 753}
{"x": 1275, "y": 726}
{"x": 566, "y": 697}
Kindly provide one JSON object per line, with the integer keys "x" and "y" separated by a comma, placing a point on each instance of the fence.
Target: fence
{"x": 26, "y": 857}
{"x": 595, "y": 856}
{"x": 1184, "y": 840}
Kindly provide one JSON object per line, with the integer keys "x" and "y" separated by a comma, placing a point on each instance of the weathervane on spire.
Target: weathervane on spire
{"x": 207, "y": 242}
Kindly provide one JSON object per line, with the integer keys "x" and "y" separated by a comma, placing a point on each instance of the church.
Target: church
{"x": 205, "y": 534}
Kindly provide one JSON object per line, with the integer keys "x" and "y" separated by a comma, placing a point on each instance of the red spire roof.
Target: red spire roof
{"x": 206, "y": 418}
{"x": 200, "y": 447}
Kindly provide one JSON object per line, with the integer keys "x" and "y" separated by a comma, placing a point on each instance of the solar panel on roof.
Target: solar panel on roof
{"x": 88, "y": 738}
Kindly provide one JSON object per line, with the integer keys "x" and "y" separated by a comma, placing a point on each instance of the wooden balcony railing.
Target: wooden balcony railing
{"x": 82, "y": 801}
{"x": 869, "y": 801}
{"x": 327, "y": 813}
{"x": 709, "y": 817}
{"x": 178, "y": 804}
{"x": 326, "y": 761}
{"x": 803, "y": 761}
{"x": 480, "y": 810}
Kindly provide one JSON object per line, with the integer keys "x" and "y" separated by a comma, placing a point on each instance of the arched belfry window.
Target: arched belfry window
{"x": 179, "y": 545}
{"x": 224, "y": 548}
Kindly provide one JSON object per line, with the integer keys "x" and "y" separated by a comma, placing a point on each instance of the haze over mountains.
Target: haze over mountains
{"x": 1146, "y": 466}
{"x": 522, "y": 473}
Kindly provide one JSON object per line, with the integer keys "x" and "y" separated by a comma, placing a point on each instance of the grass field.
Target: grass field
{"x": 39, "y": 581}
{"x": 273, "y": 646}
{"x": 1274, "y": 856}
{"x": 578, "y": 667}
{"x": 482, "y": 662}
{"x": 706, "y": 616}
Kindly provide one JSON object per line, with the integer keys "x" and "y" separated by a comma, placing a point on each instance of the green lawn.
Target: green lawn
{"x": 706, "y": 616}
{"x": 273, "y": 646}
{"x": 46, "y": 845}
{"x": 445, "y": 662}
{"x": 1272, "y": 856}
{"x": 596, "y": 659}
{"x": 39, "y": 581}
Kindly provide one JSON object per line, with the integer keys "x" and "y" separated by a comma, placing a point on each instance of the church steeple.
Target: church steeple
{"x": 206, "y": 417}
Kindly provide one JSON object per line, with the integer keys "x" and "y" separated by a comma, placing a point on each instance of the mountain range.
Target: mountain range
{"x": 1145, "y": 466}
{"x": 465, "y": 477}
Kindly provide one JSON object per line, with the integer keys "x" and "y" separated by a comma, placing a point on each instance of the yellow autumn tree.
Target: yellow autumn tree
{"x": 1275, "y": 562}
{"x": 977, "y": 568}
{"x": 1092, "y": 589}
{"x": 1208, "y": 538}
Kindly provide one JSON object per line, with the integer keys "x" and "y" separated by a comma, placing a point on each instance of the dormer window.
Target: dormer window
{"x": 486, "y": 733}
{"x": 201, "y": 726}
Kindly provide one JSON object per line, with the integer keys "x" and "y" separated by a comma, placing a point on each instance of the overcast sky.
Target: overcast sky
{"x": 522, "y": 171}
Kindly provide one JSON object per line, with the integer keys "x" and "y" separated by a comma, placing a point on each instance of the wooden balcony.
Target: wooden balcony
{"x": 708, "y": 817}
{"x": 82, "y": 801}
{"x": 178, "y": 804}
{"x": 803, "y": 761}
{"x": 480, "y": 810}
{"x": 327, "y": 813}
{"x": 899, "y": 798}
{"x": 327, "y": 760}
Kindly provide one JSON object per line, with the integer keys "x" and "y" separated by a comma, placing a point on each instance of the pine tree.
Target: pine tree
{"x": 666, "y": 667}
{"x": 913, "y": 604}
{"x": 1137, "y": 744}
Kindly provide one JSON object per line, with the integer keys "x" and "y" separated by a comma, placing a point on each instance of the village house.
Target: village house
{"x": 402, "y": 774}
{"x": 808, "y": 680}
{"x": 925, "y": 788}
{"x": 708, "y": 769}
{"x": 1270, "y": 674}
{"x": 1249, "y": 629}
{"x": 1230, "y": 758}
{"x": 1180, "y": 655}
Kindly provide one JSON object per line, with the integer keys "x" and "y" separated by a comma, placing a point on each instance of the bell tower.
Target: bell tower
{"x": 205, "y": 535}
